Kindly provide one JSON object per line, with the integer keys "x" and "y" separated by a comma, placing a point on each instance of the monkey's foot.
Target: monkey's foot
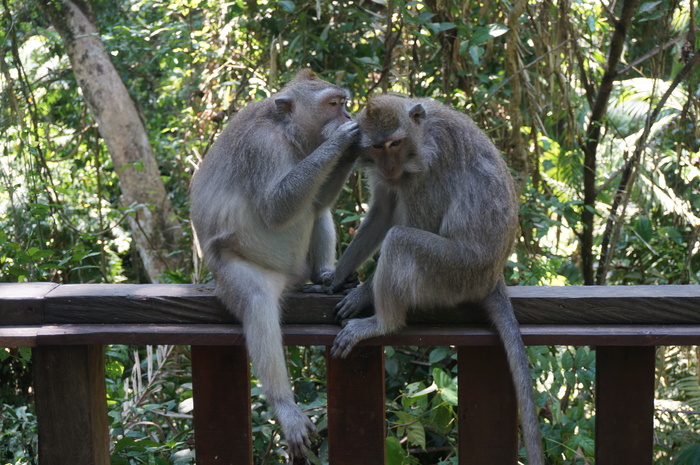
{"x": 296, "y": 427}
{"x": 353, "y": 305}
{"x": 354, "y": 331}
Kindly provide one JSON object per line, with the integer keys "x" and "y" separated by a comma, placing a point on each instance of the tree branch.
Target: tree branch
{"x": 627, "y": 179}
{"x": 592, "y": 137}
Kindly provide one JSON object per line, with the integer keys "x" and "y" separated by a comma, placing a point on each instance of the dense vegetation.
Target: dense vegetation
{"x": 594, "y": 105}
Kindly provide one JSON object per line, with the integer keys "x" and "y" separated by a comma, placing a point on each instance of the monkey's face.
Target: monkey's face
{"x": 312, "y": 109}
{"x": 391, "y": 127}
{"x": 331, "y": 108}
{"x": 388, "y": 156}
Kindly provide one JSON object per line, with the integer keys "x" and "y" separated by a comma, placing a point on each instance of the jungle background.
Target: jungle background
{"x": 108, "y": 106}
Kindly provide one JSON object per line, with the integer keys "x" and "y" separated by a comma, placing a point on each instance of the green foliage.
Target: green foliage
{"x": 18, "y": 435}
{"x": 149, "y": 397}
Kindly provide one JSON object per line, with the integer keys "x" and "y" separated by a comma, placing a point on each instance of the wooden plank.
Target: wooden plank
{"x": 19, "y": 336}
{"x": 137, "y": 303}
{"x": 224, "y": 334}
{"x": 356, "y": 411}
{"x": 624, "y": 396}
{"x": 181, "y": 303}
{"x": 71, "y": 405}
{"x": 668, "y": 304}
{"x": 23, "y": 303}
{"x": 488, "y": 409}
{"x": 222, "y": 404}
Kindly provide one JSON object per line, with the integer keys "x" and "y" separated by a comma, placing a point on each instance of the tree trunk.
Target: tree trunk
{"x": 518, "y": 151}
{"x": 592, "y": 139}
{"x": 154, "y": 228}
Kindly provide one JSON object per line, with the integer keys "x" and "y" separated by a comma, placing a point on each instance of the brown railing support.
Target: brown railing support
{"x": 356, "y": 420}
{"x": 222, "y": 417}
{"x": 624, "y": 405}
{"x": 488, "y": 411}
{"x": 71, "y": 405}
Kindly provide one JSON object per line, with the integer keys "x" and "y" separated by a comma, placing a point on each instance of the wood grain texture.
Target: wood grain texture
{"x": 488, "y": 411}
{"x": 461, "y": 335}
{"x": 23, "y": 304}
{"x": 356, "y": 418}
{"x": 624, "y": 398}
{"x": 222, "y": 417}
{"x": 197, "y": 304}
{"x": 71, "y": 407}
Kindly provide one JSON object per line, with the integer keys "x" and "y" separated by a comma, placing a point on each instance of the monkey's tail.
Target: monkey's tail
{"x": 501, "y": 313}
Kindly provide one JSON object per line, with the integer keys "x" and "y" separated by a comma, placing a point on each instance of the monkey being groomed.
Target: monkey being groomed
{"x": 260, "y": 206}
{"x": 444, "y": 211}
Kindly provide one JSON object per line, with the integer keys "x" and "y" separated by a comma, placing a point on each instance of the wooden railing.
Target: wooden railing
{"x": 67, "y": 326}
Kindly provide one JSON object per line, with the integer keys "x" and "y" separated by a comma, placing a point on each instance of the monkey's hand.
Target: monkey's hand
{"x": 336, "y": 285}
{"x": 354, "y": 304}
{"x": 344, "y": 136}
{"x": 296, "y": 427}
{"x": 319, "y": 281}
{"x": 354, "y": 331}
{"x": 327, "y": 288}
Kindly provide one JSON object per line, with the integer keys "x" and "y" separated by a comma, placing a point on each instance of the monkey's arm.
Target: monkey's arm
{"x": 370, "y": 235}
{"x": 296, "y": 191}
{"x": 336, "y": 180}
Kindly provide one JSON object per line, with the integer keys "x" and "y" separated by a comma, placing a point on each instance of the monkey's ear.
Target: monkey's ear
{"x": 416, "y": 113}
{"x": 285, "y": 105}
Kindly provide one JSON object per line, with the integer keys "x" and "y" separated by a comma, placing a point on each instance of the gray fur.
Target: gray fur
{"x": 446, "y": 227}
{"x": 260, "y": 206}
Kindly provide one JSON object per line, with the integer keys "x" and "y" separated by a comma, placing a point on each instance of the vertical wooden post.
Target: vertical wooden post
{"x": 222, "y": 418}
{"x": 71, "y": 405}
{"x": 488, "y": 409}
{"x": 624, "y": 431}
{"x": 356, "y": 411}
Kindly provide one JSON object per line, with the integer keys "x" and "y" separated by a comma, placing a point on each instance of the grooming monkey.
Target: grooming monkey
{"x": 444, "y": 211}
{"x": 260, "y": 206}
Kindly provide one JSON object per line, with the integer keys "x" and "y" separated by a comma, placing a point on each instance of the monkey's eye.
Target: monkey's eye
{"x": 338, "y": 101}
{"x": 395, "y": 143}
{"x": 378, "y": 146}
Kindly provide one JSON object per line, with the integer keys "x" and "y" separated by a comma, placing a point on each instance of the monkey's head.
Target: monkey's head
{"x": 391, "y": 127}
{"x": 311, "y": 108}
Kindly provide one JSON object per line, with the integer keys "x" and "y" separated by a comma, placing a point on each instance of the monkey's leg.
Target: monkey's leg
{"x": 322, "y": 249}
{"x": 416, "y": 268}
{"x": 501, "y": 313}
{"x": 252, "y": 294}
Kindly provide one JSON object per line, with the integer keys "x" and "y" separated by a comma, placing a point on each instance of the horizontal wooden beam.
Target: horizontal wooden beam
{"x": 48, "y": 303}
{"x": 219, "y": 334}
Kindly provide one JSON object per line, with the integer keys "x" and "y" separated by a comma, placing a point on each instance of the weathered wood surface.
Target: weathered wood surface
{"x": 462, "y": 335}
{"x": 23, "y": 304}
{"x": 356, "y": 417}
{"x": 624, "y": 421}
{"x": 70, "y": 393}
{"x": 222, "y": 415}
{"x": 46, "y": 303}
{"x": 488, "y": 411}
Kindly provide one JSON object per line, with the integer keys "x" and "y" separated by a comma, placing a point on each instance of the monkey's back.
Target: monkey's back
{"x": 228, "y": 193}
{"x": 467, "y": 192}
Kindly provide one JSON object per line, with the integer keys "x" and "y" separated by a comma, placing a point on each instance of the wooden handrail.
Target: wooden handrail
{"x": 68, "y": 325}
{"x": 48, "y": 303}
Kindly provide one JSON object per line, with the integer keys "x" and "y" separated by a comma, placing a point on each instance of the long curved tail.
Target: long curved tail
{"x": 500, "y": 311}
